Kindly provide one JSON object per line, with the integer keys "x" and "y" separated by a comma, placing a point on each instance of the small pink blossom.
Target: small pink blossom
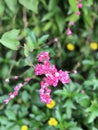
{"x": 16, "y": 88}
{"x": 69, "y": 32}
{"x": 11, "y": 95}
{"x": 43, "y": 56}
{"x": 44, "y": 84}
{"x": 75, "y": 71}
{"x": 15, "y": 93}
{"x": 45, "y": 95}
{"x": 71, "y": 23}
{"x": 20, "y": 85}
{"x": 80, "y": 5}
{"x": 16, "y": 77}
{"x": 64, "y": 77}
{"x": 57, "y": 74}
{"x": 28, "y": 79}
{"x": 6, "y": 101}
{"x": 78, "y": 13}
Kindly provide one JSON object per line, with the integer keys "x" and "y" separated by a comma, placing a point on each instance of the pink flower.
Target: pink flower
{"x": 51, "y": 80}
{"x": 11, "y": 95}
{"x": 16, "y": 77}
{"x": 80, "y": 5}
{"x": 64, "y": 77}
{"x": 52, "y": 76}
{"x": 6, "y": 101}
{"x": 41, "y": 69}
{"x": 44, "y": 84}
{"x": 28, "y": 79}
{"x": 43, "y": 56}
{"x": 71, "y": 23}
{"x": 45, "y": 95}
{"x": 15, "y": 93}
{"x": 75, "y": 71}
{"x": 69, "y": 32}
{"x": 16, "y": 88}
{"x": 78, "y": 13}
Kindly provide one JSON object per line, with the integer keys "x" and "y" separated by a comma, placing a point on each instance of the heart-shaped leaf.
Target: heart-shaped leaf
{"x": 9, "y": 39}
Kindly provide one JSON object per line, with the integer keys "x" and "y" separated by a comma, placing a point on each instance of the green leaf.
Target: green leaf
{"x": 82, "y": 99}
{"x": 30, "y": 44}
{"x": 88, "y": 62}
{"x": 92, "y": 116}
{"x": 50, "y": 14}
{"x": 3, "y": 120}
{"x": 73, "y": 4}
{"x": 43, "y": 39}
{"x": 31, "y": 5}
{"x": 9, "y": 39}
{"x": 35, "y": 109}
{"x": 72, "y": 17}
{"x": 2, "y": 98}
{"x": 25, "y": 96}
{"x": 94, "y": 128}
{"x": 2, "y": 7}
{"x": 69, "y": 104}
{"x": 95, "y": 83}
{"x": 23, "y": 112}
{"x": 47, "y": 26}
{"x": 60, "y": 20}
{"x": 4, "y": 71}
{"x": 12, "y": 4}
{"x": 52, "y": 4}
{"x": 93, "y": 111}
{"x": 10, "y": 114}
{"x": 14, "y": 127}
{"x": 76, "y": 128}
{"x": 31, "y": 35}
{"x": 68, "y": 113}
{"x": 26, "y": 50}
{"x": 58, "y": 114}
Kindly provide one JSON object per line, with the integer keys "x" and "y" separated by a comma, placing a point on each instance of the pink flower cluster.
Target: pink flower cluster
{"x": 71, "y": 23}
{"x": 16, "y": 90}
{"x": 52, "y": 76}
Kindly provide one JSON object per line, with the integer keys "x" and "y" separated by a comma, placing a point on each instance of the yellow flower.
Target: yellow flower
{"x": 52, "y": 122}
{"x": 51, "y": 104}
{"x": 24, "y": 127}
{"x": 70, "y": 47}
{"x": 93, "y": 45}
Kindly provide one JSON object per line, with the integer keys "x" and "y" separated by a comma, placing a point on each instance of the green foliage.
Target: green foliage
{"x": 32, "y": 4}
{"x": 11, "y": 5}
{"x": 30, "y": 27}
{"x": 9, "y": 39}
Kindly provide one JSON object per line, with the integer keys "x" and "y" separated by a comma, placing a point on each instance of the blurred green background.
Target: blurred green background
{"x": 30, "y": 27}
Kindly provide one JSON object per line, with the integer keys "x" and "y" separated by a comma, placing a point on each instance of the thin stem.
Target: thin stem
{"x": 25, "y": 17}
{"x": 14, "y": 58}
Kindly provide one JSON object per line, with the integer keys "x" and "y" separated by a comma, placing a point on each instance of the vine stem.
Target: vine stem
{"x": 14, "y": 57}
{"x": 25, "y": 17}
